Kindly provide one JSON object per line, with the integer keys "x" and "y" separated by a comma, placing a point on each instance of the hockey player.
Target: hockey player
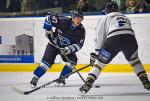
{"x": 69, "y": 35}
{"x": 114, "y": 34}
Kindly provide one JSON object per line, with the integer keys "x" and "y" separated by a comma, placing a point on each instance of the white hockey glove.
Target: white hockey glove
{"x": 65, "y": 50}
{"x": 93, "y": 58}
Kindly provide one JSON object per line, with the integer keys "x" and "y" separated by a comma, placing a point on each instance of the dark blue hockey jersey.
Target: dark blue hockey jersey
{"x": 65, "y": 34}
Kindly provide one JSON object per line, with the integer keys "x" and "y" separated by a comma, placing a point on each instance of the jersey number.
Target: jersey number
{"x": 121, "y": 21}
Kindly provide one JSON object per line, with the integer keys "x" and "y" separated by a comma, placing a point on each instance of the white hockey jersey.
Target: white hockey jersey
{"x": 110, "y": 25}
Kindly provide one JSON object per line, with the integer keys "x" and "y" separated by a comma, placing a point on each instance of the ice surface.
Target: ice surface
{"x": 113, "y": 87}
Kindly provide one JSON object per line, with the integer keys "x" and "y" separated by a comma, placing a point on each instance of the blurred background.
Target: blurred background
{"x": 11, "y": 8}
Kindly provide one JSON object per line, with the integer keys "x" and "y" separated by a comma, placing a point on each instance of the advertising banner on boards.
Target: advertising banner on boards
{"x": 16, "y": 42}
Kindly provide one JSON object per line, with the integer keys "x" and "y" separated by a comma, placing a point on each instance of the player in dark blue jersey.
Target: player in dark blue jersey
{"x": 69, "y": 36}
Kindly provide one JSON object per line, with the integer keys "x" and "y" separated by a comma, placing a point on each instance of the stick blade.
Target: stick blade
{"x": 18, "y": 90}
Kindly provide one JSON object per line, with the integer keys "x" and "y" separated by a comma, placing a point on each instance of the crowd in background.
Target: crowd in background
{"x": 42, "y": 7}
{"x": 137, "y": 6}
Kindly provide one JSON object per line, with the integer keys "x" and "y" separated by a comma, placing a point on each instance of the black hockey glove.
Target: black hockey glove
{"x": 65, "y": 50}
{"x": 93, "y": 58}
{"x": 48, "y": 33}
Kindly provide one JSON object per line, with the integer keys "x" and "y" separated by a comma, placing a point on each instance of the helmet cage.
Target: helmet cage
{"x": 77, "y": 14}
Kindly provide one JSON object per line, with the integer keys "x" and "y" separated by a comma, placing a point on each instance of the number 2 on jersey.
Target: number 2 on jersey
{"x": 121, "y": 21}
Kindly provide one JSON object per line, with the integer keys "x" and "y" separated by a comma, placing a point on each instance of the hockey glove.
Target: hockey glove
{"x": 65, "y": 50}
{"x": 93, "y": 58}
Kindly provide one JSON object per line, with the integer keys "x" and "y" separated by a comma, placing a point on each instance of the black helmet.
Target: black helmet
{"x": 111, "y": 7}
{"x": 77, "y": 13}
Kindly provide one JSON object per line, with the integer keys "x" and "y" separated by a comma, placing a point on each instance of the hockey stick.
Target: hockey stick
{"x": 46, "y": 84}
{"x": 69, "y": 61}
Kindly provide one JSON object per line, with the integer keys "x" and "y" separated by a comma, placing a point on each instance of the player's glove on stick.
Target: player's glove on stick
{"x": 65, "y": 50}
{"x": 48, "y": 33}
{"x": 93, "y": 58}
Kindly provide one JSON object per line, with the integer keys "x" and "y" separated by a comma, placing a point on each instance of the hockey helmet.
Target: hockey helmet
{"x": 77, "y": 13}
{"x": 111, "y": 7}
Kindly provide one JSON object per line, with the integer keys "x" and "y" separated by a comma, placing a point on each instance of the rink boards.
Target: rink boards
{"x": 58, "y": 67}
{"x": 31, "y": 31}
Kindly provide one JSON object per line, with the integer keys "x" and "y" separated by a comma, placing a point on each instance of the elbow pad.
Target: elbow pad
{"x": 47, "y": 24}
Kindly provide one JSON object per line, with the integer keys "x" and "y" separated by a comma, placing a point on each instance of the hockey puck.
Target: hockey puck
{"x": 97, "y": 86}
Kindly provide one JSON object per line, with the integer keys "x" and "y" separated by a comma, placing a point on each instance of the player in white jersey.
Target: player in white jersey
{"x": 114, "y": 34}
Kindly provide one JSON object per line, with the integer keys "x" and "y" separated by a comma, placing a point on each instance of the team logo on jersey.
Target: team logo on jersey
{"x": 63, "y": 40}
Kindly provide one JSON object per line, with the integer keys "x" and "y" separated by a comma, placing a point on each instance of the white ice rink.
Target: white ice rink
{"x": 114, "y": 87}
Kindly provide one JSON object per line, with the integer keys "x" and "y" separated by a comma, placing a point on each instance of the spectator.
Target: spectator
{"x": 148, "y": 4}
{"x": 56, "y": 3}
{"x": 148, "y": 1}
{"x": 13, "y": 5}
{"x": 26, "y": 6}
{"x": 143, "y": 5}
{"x": 133, "y": 6}
{"x": 3, "y": 5}
{"x": 85, "y": 7}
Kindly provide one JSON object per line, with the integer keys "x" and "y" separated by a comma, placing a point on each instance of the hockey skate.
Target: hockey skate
{"x": 86, "y": 87}
{"x": 145, "y": 81}
{"x": 60, "y": 82}
{"x": 34, "y": 82}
